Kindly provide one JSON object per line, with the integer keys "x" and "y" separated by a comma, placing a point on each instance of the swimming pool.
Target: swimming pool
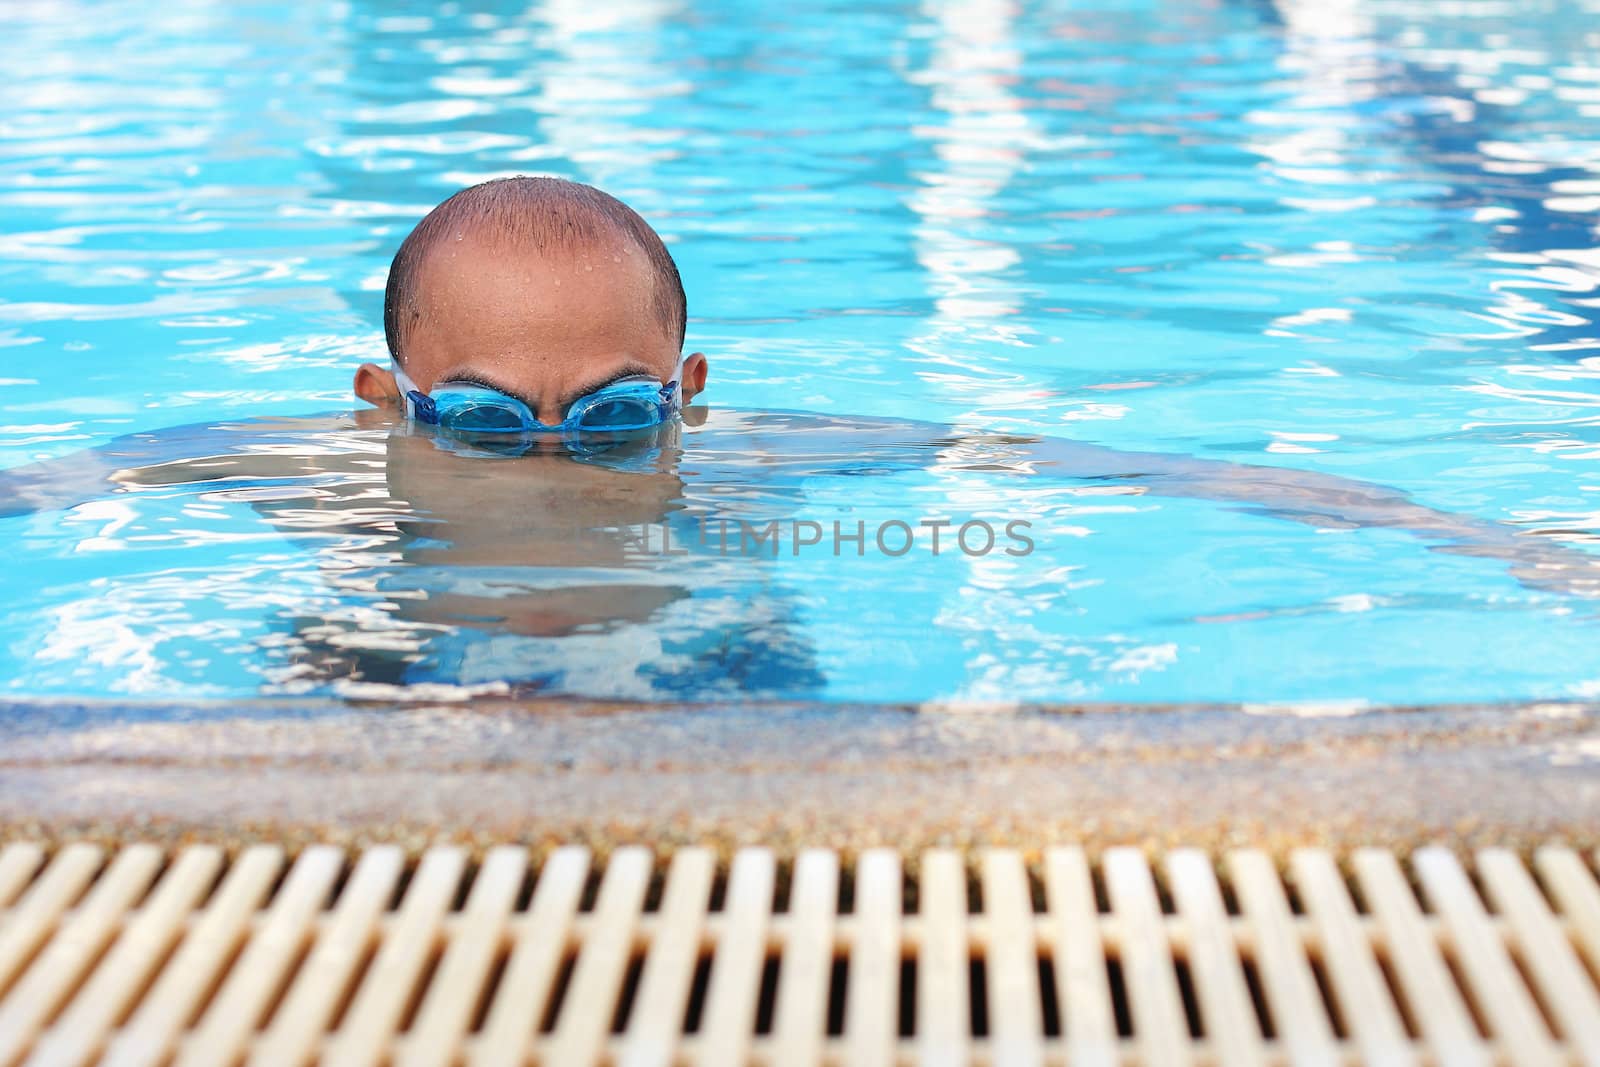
{"x": 1356, "y": 240}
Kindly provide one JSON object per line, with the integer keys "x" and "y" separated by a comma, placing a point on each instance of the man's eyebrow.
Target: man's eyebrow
{"x": 471, "y": 377}
{"x": 632, "y": 369}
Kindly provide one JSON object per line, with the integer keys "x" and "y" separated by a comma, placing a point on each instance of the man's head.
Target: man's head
{"x": 542, "y": 288}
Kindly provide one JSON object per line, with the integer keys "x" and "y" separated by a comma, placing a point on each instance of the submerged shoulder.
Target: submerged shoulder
{"x": 196, "y": 451}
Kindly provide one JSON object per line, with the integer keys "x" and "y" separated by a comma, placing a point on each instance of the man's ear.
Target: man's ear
{"x": 694, "y": 375}
{"x": 376, "y": 386}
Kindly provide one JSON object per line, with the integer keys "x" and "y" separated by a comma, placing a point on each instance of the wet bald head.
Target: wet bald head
{"x": 550, "y": 217}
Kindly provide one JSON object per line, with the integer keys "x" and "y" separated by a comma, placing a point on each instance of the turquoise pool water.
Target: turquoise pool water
{"x": 1353, "y": 240}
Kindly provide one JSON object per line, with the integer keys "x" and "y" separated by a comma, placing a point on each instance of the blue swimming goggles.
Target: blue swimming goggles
{"x": 625, "y": 406}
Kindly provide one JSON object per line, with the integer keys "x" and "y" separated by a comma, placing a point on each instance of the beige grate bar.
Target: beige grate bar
{"x": 943, "y": 992}
{"x": 800, "y": 1027}
{"x": 1219, "y": 980}
{"x": 142, "y": 955}
{"x": 663, "y": 998}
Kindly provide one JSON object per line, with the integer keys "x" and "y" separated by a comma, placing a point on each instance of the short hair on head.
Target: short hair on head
{"x": 546, "y": 212}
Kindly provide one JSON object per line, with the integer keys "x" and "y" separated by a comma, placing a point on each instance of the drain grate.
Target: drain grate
{"x": 144, "y": 956}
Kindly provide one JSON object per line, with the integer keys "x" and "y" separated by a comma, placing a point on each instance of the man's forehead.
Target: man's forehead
{"x": 482, "y": 282}
{"x": 473, "y": 288}
{"x": 475, "y": 251}
{"x": 534, "y": 319}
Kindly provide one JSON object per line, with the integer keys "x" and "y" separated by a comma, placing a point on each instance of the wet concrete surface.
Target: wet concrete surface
{"x": 792, "y": 775}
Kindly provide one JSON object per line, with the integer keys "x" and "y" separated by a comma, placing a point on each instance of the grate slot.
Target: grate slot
{"x": 697, "y": 996}
{"x": 766, "y": 1000}
{"x": 1121, "y": 1009}
{"x": 558, "y": 993}
{"x": 1191, "y": 1005}
{"x": 141, "y": 955}
{"x": 1049, "y": 1017}
{"x": 838, "y": 986}
{"x": 978, "y": 983}
{"x": 626, "y": 995}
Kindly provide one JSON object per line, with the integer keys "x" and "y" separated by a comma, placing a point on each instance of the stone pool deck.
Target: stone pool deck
{"x": 788, "y": 775}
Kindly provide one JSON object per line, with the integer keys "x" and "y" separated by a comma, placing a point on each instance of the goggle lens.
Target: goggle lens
{"x": 484, "y": 418}
{"x": 620, "y": 413}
